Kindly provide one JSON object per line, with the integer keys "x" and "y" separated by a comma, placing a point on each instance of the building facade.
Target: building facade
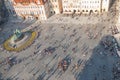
{"x": 70, "y": 6}
{"x": 42, "y": 9}
{"x": 55, "y": 6}
{"x": 85, "y": 6}
{"x": 105, "y": 5}
{"x": 38, "y": 9}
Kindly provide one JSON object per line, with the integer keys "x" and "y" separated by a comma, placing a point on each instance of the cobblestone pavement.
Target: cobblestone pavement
{"x": 76, "y": 40}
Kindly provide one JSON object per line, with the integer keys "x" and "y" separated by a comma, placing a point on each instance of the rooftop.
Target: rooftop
{"x": 27, "y": 2}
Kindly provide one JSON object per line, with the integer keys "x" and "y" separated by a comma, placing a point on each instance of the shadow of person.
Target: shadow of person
{"x": 101, "y": 63}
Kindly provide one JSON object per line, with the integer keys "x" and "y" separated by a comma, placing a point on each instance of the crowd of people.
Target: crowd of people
{"x": 63, "y": 65}
{"x": 114, "y": 30}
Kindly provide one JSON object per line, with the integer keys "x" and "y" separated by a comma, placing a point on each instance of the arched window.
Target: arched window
{"x": 65, "y": 10}
{"x": 95, "y": 10}
{"x": 103, "y": 9}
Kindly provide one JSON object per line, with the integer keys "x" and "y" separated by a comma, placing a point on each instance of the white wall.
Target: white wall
{"x": 81, "y": 5}
{"x": 55, "y": 6}
{"x": 106, "y": 5}
{"x": 91, "y": 5}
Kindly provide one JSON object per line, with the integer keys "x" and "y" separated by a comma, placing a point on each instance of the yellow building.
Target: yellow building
{"x": 70, "y": 6}
{"x": 105, "y": 5}
{"x": 42, "y": 9}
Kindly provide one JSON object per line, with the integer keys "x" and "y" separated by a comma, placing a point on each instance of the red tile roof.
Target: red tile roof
{"x": 30, "y": 1}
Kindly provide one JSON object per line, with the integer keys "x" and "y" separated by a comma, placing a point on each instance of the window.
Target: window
{"x": 103, "y": 9}
{"x": 42, "y": 12}
{"x": 95, "y": 10}
{"x": 32, "y": 13}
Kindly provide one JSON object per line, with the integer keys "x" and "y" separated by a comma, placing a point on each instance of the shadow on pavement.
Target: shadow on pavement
{"x": 102, "y": 63}
{"x": 112, "y": 2}
{"x": 41, "y": 77}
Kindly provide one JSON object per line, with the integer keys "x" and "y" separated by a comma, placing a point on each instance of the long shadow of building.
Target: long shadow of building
{"x": 3, "y": 12}
{"x": 102, "y": 63}
{"x": 112, "y": 2}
